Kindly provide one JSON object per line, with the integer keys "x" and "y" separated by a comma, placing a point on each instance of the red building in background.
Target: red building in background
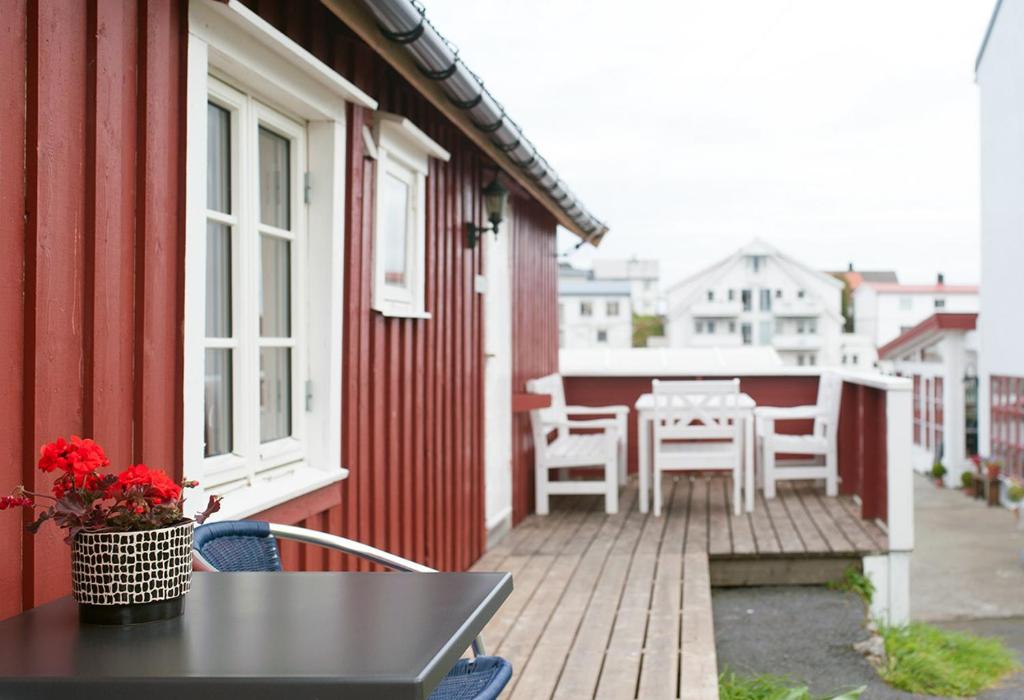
{"x": 236, "y": 249}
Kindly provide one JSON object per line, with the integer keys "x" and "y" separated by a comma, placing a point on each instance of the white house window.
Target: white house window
{"x": 766, "y": 300}
{"x": 255, "y": 247}
{"x": 586, "y": 308}
{"x": 800, "y": 294}
{"x": 699, "y": 327}
{"x": 403, "y": 153}
{"x": 732, "y": 294}
{"x": 711, "y": 295}
{"x": 264, "y": 207}
{"x": 602, "y": 336}
{"x": 612, "y": 309}
{"x": 940, "y": 303}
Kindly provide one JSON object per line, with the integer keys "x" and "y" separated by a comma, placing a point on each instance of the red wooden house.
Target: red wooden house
{"x": 233, "y": 244}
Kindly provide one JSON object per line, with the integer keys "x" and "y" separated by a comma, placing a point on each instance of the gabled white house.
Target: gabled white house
{"x": 759, "y": 296}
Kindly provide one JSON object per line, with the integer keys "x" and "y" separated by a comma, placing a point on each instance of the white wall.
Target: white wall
{"x": 645, "y": 292}
{"x": 883, "y": 316}
{"x": 578, "y": 331}
{"x": 1001, "y": 87}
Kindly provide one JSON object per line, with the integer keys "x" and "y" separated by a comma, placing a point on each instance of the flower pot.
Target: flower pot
{"x": 993, "y": 472}
{"x": 126, "y": 578}
{"x": 939, "y": 482}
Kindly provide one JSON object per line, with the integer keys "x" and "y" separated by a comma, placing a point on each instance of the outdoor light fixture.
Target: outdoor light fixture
{"x": 495, "y": 200}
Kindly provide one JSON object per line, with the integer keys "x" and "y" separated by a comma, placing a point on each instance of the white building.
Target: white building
{"x": 642, "y": 276}
{"x": 594, "y": 313}
{"x": 882, "y": 311}
{"x": 1000, "y": 77}
{"x": 759, "y": 296}
{"x": 941, "y": 355}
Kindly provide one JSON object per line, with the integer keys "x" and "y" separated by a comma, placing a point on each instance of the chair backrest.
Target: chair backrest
{"x": 830, "y": 393}
{"x": 541, "y": 417}
{"x": 696, "y": 410}
{"x": 237, "y": 545}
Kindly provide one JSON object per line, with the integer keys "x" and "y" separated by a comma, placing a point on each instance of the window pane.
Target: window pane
{"x": 396, "y": 223}
{"x": 218, "y": 280}
{"x": 217, "y": 390}
{"x": 218, "y": 158}
{"x": 275, "y": 393}
{"x": 275, "y": 287}
{"x": 274, "y": 179}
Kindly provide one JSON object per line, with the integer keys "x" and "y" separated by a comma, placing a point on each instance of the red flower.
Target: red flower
{"x": 80, "y": 457}
{"x": 152, "y": 484}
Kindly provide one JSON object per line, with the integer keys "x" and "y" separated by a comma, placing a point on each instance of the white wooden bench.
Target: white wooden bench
{"x": 558, "y": 444}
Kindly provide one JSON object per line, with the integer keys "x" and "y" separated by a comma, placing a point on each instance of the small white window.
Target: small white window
{"x": 732, "y": 326}
{"x": 611, "y": 309}
{"x": 800, "y": 360}
{"x": 801, "y": 294}
{"x": 778, "y": 293}
{"x": 711, "y": 295}
{"x": 602, "y": 335}
{"x": 812, "y": 359}
{"x": 940, "y": 303}
{"x": 732, "y": 295}
{"x": 812, "y": 326}
{"x": 845, "y": 360}
{"x": 855, "y": 359}
{"x": 586, "y": 308}
{"x": 699, "y": 326}
{"x": 711, "y": 326}
{"x": 403, "y": 153}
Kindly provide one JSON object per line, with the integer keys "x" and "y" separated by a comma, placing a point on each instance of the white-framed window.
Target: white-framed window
{"x": 766, "y": 300}
{"x": 711, "y": 326}
{"x": 586, "y": 308}
{"x": 778, "y": 293}
{"x": 265, "y": 187}
{"x": 800, "y": 294}
{"x": 812, "y": 326}
{"x": 699, "y": 327}
{"x": 611, "y": 309}
{"x": 732, "y": 294}
{"x": 602, "y": 336}
{"x": 400, "y": 222}
{"x": 711, "y": 295}
{"x": 732, "y": 327}
{"x": 940, "y": 303}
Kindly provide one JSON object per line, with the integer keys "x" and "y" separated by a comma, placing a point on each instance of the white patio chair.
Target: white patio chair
{"x": 559, "y": 445}
{"x": 817, "y": 450}
{"x": 698, "y": 427}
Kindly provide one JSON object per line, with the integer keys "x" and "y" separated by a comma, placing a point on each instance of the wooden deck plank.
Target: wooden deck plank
{"x": 625, "y": 648}
{"x": 790, "y": 540}
{"x": 518, "y": 644}
{"x": 719, "y": 522}
{"x": 877, "y": 534}
{"x": 698, "y": 674}
{"x": 543, "y": 668}
{"x": 742, "y": 532}
{"x": 659, "y": 670}
{"x": 847, "y": 524}
{"x": 764, "y": 534}
{"x": 813, "y": 541}
{"x": 586, "y": 656}
{"x": 835, "y": 539}
{"x": 697, "y": 527}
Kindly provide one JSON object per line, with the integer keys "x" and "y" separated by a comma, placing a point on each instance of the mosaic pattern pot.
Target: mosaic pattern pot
{"x": 126, "y": 578}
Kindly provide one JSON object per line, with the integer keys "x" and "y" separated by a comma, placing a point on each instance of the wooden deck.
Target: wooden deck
{"x": 620, "y": 606}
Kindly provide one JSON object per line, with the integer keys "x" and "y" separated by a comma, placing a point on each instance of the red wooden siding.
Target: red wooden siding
{"x": 90, "y": 249}
{"x": 413, "y": 404}
{"x": 862, "y": 423}
{"x": 534, "y": 332}
{"x": 91, "y": 286}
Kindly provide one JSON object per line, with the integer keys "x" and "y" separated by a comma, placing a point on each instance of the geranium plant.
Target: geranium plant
{"x": 83, "y": 498}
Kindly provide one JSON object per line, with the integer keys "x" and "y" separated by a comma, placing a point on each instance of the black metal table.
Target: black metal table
{"x": 258, "y": 636}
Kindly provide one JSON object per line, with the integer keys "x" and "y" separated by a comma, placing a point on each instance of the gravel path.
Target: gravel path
{"x": 808, "y": 633}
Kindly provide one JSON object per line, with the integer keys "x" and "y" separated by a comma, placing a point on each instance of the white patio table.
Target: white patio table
{"x": 645, "y": 422}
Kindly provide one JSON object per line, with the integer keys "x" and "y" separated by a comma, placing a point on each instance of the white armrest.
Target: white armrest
{"x": 788, "y": 413}
{"x": 596, "y": 410}
{"x": 606, "y": 424}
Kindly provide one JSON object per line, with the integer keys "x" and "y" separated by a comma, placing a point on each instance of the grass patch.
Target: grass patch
{"x": 855, "y": 581}
{"x": 927, "y": 660}
{"x": 768, "y": 687}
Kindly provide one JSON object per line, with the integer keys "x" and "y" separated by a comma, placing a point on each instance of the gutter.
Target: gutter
{"x": 404, "y": 24}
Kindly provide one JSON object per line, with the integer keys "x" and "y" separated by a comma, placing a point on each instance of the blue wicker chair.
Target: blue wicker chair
{"x": 248, "y": 545}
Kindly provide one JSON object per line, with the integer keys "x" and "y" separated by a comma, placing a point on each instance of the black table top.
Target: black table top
{"x": 297, "y": 636}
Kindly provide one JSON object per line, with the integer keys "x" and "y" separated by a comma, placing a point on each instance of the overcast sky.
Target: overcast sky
{"x": 838, "y": 130}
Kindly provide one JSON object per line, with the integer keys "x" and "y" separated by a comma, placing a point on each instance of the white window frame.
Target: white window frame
{"x": 609, "y": 306}
{"x": 403, "y": 151}
{"x": 236, "y": 56}
{"x": 586, "y": 309}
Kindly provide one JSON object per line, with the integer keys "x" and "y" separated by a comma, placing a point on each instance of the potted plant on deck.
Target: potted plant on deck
{"x": 967, "y": 482}
{"x": 131, "y": 545}
{"x": 938, "y": 473}
{"x": 1015, "y": 494}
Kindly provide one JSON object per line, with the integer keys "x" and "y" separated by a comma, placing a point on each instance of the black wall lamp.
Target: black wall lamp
{"x": 495, "y": 201}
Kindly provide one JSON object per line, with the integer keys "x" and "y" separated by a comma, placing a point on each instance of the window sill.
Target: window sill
{"x": 247, "y": 501}
{"x": 398, "y": 312}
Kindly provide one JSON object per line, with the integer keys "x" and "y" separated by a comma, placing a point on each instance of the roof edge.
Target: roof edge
{"x": 933, "y": 324}
{"x": 988, "y": 34}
